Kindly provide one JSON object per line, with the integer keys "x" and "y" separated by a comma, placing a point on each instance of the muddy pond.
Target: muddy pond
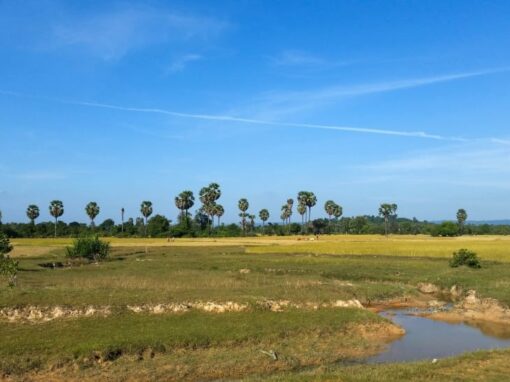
{"x": 428, "y": 339}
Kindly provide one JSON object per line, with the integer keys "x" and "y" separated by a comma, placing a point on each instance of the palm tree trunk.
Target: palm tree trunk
{"x": 56, "y": 227}
{"x": 145, "y": 228}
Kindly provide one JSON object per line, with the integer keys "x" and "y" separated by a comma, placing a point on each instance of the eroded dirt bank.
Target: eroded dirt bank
{"x": 49, "y": 313}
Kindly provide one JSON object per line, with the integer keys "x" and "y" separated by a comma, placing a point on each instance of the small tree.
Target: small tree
{"x": 8, "y": 266}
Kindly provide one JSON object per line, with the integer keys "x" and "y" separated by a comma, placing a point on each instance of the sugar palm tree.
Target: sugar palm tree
{"x": 264, "y": 216}
{"x": 208, "y": 196}
{"x": 32, "y": 213}
{"x": 122, "y": 218}
{"x": 301, "y": 209}
{"x": 184, "y": 201}
{"x": 92, "y": 210}
{"x": 56, "y": 210}
{"x": 329, "y": 207}
{"x": 219, "y": 211}
{"x": 461, "y": 219}
{"x": 290, "y": 203}
{"x": 243, "y": 207}
{"x": 309, "y": 199}
{"x": 146, "y": 210}
{"x": 338, "y": 211}
{"x": 252, "y": 221}
{"x": 386, "y": 210}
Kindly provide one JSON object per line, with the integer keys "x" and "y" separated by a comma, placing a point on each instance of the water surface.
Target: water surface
{"x": 429, "y": 339}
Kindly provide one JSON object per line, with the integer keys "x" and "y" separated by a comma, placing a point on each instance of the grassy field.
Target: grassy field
{"x": 200, "y": 345}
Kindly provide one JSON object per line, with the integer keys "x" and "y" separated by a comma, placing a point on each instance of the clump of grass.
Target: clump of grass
{"x": 90, "y": 248}
{"x": 465, "y": 257}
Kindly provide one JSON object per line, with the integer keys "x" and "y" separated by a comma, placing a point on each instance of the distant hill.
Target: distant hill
{"x": 490, "y": 222}
{"x": 479, "y": 222}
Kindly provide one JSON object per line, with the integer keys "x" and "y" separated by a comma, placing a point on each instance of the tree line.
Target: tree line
{"x": 206, "y": 221}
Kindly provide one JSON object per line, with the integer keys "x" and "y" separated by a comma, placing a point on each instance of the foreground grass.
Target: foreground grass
{"x": 490, "y": 366}
{"x": 238, "y": 336}
{"x": 197, "y": 345}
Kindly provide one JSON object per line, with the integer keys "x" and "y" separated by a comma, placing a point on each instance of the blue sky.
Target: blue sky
{"x": 361, "y": 102}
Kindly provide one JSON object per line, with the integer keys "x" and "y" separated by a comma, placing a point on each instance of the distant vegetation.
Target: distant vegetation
{"x": 8, "y": 266}
{"x": 206, "y": 220}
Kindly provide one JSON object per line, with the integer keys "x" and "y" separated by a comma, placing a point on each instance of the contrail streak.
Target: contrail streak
{"x": 209, "y": 117}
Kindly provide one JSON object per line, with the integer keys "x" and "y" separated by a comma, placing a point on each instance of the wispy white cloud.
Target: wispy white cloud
{"x": 501, "y": 141}
{"x": 181, "y": 62}
{"x": 228, "y": 118}
{"x": 475, "y": 163}
{"x": 41, "y": 175}
{"x": 253, "y": 121}
{"x": 296, "y": 58}
{"x": 113, "y": 34}
{"x": 303, "y": 60}
{"x": 280, "y": 103}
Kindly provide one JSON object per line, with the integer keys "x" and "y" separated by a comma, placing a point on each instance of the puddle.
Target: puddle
{"x": 429, "y": 339}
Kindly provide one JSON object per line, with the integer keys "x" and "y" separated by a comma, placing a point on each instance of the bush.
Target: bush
{"x": 8, "y": 266}
{"x": 90, "y": 248}
{"x": 465, "y": 257}
{"x": 446, "y": 229}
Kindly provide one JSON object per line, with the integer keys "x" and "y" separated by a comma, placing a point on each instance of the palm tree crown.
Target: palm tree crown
{"x": 56, "y": 210}
{"x": 32, "y": 212}
{"x": 92, "y": 210}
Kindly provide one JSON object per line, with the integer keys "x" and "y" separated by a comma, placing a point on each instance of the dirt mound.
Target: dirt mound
{"x": 44, "y": 314}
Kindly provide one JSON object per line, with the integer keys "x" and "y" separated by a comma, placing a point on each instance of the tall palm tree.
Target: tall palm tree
{"x": 461, "y": 219}
{"x": 56, "y": 210}
{"x": 184, "y": 201}
{"x": 386, "y": 210}
{"x": 264, "y": 216}
{"x": 243, "y": 207}
{"x": 32, "y": 213}
{"x": 338, "y": 211}
{"x": 329, "y": 207}
{"x": 252, "y": 221}
{"x": 301, "y": 209}
{"x": 146, "y": 210}
{"x": 208, "y": 196}
{"x": 219, "y": 211}
{"x": 122, "y": 218}
{"x": 92, "y": 210}
{"x": 290, "y": 203}
{"x": 309, "y": 199}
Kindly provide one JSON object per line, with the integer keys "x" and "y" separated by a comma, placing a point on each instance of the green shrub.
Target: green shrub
{"x": 90, "y": 248}
{"x": 446, "y": 229}
{"x": 465, "y": 257}
{"x": 8, "y": 266}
